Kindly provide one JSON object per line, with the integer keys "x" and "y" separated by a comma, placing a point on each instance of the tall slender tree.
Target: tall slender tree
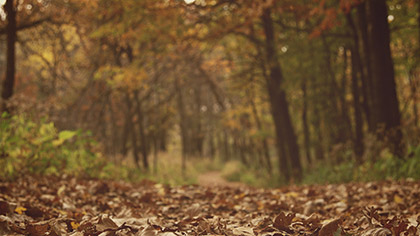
{"x": 279, "y": 104}
{"x": 11, "y": 29}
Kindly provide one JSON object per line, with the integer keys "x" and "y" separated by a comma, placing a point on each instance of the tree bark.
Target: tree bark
{"x": 198, "y": 135}
{"x": 182, "y": 125}
{"x": 357, "y": 74}
{"x": 125, "y": 133}
{"x": 306, "y": 133}
{"x": 340, "y": 123}
{"x": 367, "y": 86}
{"x": 226, "y": 150}
{"x": 358, "y": 127}
{"x": 132, "y": 130}
{"x": 144, "y": 147}
{"x": 265, "y": 149}
{"x": 279, "y": 105}
{"x": 414, "y": 93}
{"x": 385, "y": 101}
{"x": 319, "y": 144}
{"x": 9, "y": 80}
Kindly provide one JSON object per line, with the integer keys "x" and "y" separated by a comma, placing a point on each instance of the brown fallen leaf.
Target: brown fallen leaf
{"x": 330, "y": 228}
{"x": 4, "y": 225}
{"x": 4, "y": 208}
{"x": 101, "y": 188}
{"x": 376, "y": 232}
{"x": 196, "y": 210}
{"x": 244, "y": 231}
{"x": 38, "y": 229}
{"x": 105, "y": 222}
{"x": 58, "y": 227}
{"x": 34, "y": 212}
{"x": 283, "y": 221}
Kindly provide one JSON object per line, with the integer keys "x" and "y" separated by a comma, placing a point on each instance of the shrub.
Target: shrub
{"x": 28, "y": 147}
{"x": 383, "y": 167}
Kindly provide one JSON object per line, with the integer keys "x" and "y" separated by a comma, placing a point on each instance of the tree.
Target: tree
{"x": 385, "y": 107}
{"x": 279, "y": 105}
{"x": 11, "y": 29}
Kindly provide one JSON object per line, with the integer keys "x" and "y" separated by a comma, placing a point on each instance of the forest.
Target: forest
{"x": 205, "y": 100}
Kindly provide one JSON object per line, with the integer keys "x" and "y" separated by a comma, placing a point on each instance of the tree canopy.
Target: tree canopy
{"x": 279, "y": 86}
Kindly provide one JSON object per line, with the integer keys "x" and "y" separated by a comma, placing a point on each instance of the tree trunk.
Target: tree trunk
{"x": 367, "y": 86}
{"x": 226, "y": 149}
{"x": 114, "y": 132}
{"x": 306, "y": 134}
{"x": 155, "y": 154}
{"x": 265, "y": 149}
{"x": 316, "y": 120}
{"x": 211, "y": 144}
{"x": 385, "y": 102}
{"x": 340, "y": 123}
{"x": 182, "y": 125}
{"x": 9, "y": 81}
{"x": 358, "y": 127}
{"x": 144, "y": 148}
{"x": 357, "y": 74}
{"x": 125, "y": 133}
{"x": 413, "y": 84}
{"x": 132, "y": 131}
{"x": 197, "y": 129}
{"x": 279, "y": 105}
{"x": 319, "y": 144}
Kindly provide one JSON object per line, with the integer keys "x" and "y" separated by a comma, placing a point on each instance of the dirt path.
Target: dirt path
{"x": 215, "y": 179}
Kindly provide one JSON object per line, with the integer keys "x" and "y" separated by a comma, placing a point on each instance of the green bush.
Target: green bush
{"x": 398, "y": 168}
{"x": 327, "y": 173}
{"x": 28, "y": 147}
{"x": 387, "y": 166}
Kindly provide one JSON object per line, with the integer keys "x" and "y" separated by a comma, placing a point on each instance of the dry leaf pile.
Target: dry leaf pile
{"x": 69, "y": 206}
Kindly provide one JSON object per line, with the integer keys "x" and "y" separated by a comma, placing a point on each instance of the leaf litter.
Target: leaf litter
{"x": 71, "y": 206}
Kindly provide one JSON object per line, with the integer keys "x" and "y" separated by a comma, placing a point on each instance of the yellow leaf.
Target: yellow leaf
{"x": 239, "y": 196}
{"x": 260, "y": 205}
{"x": 292, "y": 194}
{"x": 57, "y": 142}
{"x": 74, "y": 225}
{"x": 60, "y": 211}
{"x": 20, "y": 210}
{"x": 161, "y": 189}
{"x": 398, "y": 199}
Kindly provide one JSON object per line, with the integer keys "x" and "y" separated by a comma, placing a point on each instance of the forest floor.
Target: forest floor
{"x": 70, "y": 206}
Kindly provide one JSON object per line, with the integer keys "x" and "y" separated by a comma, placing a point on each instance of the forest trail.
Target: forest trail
{"x": 215, "y": 179}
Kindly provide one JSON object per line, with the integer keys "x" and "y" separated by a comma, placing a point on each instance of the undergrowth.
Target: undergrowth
{"x": 28, "y": 147}
{"x": 387, "y": 166}
{"x": 39, "y": 148}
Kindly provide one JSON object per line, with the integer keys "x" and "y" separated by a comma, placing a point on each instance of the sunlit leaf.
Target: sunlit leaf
{"x": 66, "y": 134}
{"x": 20, "y": 210}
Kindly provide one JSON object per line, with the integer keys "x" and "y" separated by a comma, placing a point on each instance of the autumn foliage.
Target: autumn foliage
{"x": 293, "y": 91}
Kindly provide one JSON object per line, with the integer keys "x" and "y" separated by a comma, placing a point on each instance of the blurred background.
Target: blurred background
{"x": 263, "y": 92}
